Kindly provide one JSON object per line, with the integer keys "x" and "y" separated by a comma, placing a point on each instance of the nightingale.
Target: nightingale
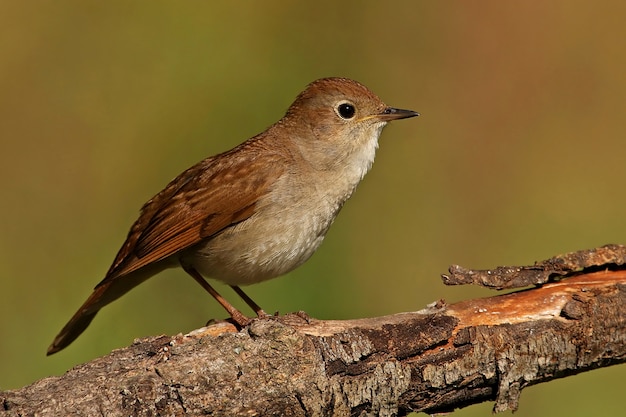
{"x": 257, "y": 211}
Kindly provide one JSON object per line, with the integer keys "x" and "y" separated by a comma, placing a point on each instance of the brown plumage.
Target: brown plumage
{"x": 256, "y": 211}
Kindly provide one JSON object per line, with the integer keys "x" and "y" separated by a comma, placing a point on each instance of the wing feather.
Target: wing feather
{"x": 202, "y": 201}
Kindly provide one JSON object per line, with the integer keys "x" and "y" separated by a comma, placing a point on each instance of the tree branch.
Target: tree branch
{"x": 434, "y": 360}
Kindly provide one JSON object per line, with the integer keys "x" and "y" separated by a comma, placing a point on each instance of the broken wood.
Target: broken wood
{"x": 434, "y": 360}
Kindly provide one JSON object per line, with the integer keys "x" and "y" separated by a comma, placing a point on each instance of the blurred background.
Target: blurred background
{"x": 518, "y": 155}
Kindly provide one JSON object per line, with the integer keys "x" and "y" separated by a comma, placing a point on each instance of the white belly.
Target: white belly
{"x": 256, "y": 250}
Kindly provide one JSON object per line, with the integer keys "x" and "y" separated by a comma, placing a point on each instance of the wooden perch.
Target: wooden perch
{"x": 434, "y": 360}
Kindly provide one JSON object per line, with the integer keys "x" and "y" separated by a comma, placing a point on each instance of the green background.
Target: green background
{"x": 518, "y": 155}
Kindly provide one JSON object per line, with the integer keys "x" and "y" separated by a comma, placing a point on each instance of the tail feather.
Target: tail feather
{"x": 106, "y": 292}
{"x": 71, "y": 331}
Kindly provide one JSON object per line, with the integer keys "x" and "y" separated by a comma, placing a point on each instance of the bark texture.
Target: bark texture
{"x": 434, "y": 360}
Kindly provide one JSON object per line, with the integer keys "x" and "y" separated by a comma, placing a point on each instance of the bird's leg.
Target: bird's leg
{"x": 235, "y": 314}
{"x": 258, "y": 310}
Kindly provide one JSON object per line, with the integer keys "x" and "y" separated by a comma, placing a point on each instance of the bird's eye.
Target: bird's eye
{"x": 346, "y": 110}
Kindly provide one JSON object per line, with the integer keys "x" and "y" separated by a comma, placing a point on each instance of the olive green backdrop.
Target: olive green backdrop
{"x": 518, "y": 155}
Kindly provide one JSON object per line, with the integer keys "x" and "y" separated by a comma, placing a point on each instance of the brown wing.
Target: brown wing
{"x": 202, "y": 201}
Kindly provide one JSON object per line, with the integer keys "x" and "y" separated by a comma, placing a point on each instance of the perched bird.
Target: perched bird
{"x": 257, "y": 211}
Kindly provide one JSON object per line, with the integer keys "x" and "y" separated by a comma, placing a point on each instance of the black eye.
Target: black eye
{"x": 346, "y": 110}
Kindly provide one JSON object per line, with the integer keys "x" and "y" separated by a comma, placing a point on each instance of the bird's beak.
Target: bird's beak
{"x": 391, "y": 113}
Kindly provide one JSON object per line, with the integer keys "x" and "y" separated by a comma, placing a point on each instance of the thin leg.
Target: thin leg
{"x": 258, "y": 310}
{"x": 235, "y": 314}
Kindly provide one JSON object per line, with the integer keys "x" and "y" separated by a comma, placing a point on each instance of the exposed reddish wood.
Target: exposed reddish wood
{"x": 434, "y": 360}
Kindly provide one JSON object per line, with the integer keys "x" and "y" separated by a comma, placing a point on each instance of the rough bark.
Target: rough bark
{"x": 434, "y": 360}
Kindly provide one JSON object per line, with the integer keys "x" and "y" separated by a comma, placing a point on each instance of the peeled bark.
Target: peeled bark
{"x": 434, "y": 360}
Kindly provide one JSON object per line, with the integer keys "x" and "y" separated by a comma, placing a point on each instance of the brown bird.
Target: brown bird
{"x": 257, "y": 211}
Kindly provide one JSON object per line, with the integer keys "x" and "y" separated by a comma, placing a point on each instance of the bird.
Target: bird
{"x": 257, "y": 211}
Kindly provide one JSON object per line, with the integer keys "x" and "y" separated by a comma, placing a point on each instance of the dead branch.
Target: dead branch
{"x": 434, "y": 360}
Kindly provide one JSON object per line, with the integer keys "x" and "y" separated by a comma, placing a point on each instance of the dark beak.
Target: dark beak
{"x": 391, "y": 113}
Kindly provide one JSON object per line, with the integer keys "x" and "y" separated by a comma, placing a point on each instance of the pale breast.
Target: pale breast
{"x": 289, "y": 224}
